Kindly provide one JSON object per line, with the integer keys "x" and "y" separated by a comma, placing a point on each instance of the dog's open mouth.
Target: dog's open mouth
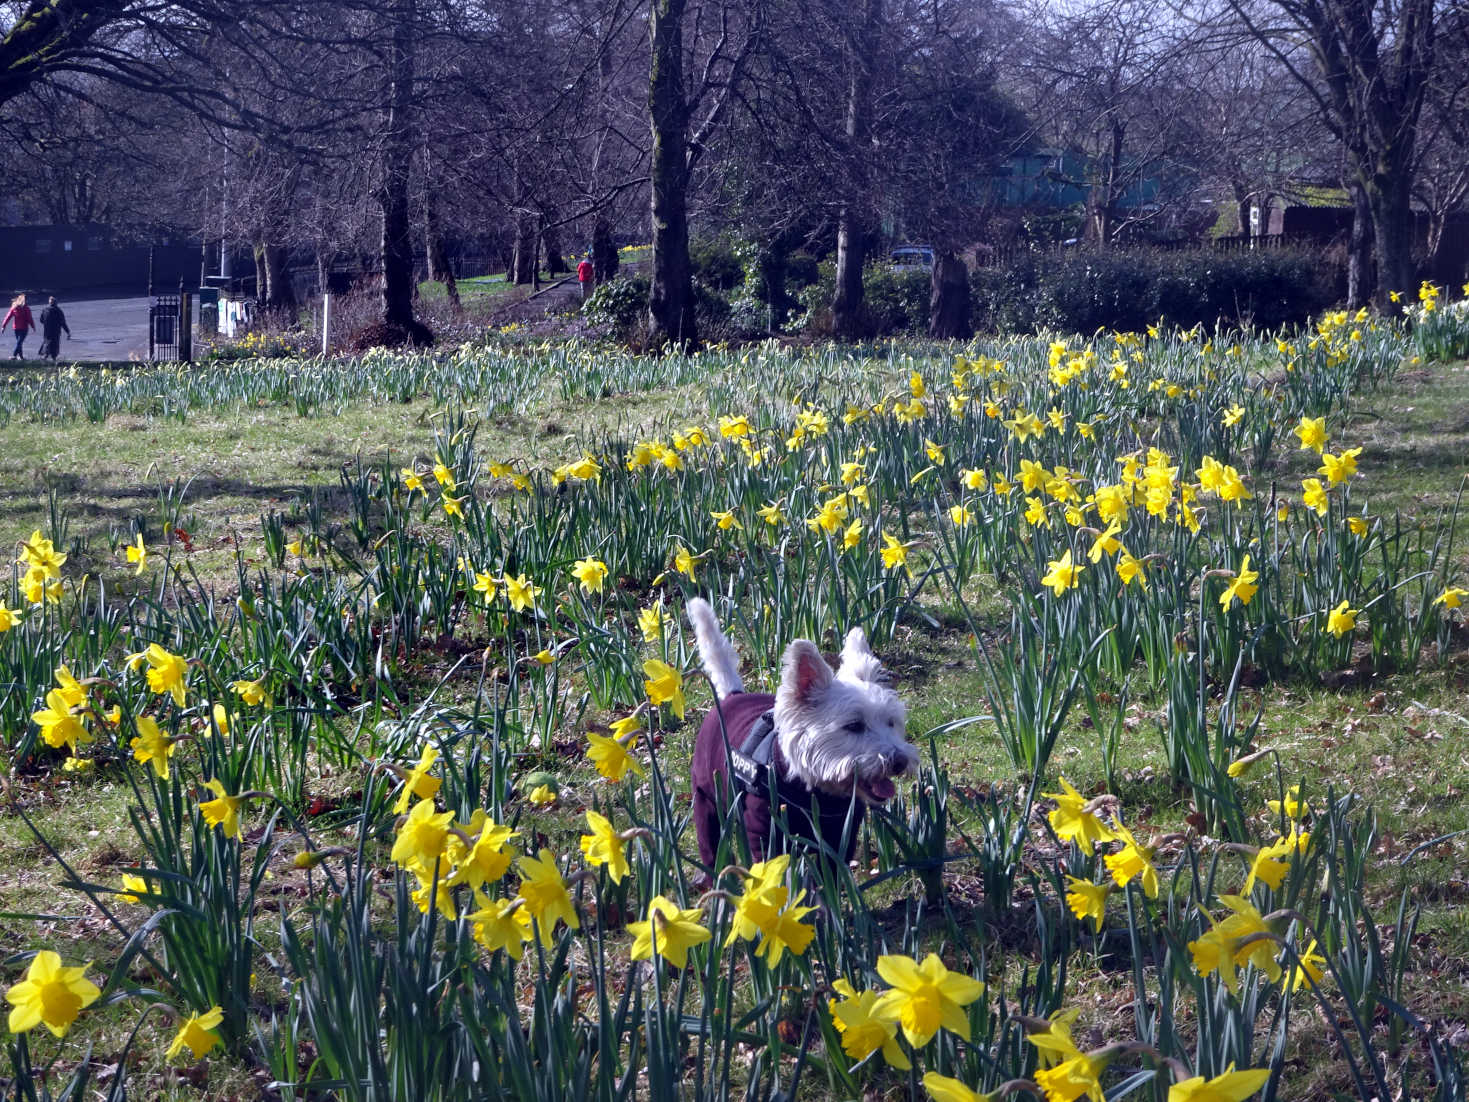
{"x": 877, "y": 790}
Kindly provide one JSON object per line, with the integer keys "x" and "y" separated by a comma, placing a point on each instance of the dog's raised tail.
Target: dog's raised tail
{"x": 719, "y": 658}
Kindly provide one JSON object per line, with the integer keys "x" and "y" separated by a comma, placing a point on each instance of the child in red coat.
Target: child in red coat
{"x": 20, "y": 314}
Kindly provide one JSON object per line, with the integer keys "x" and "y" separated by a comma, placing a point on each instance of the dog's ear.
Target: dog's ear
{"x": 858, "y": 662}
{"x": 804, "y": 674}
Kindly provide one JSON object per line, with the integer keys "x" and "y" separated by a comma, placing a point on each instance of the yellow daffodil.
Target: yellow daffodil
{"x": 734, "y": 427}
{"x": 1054, "y": 1044}
{"x": 51, "y": 995}
{"x": 925, "y": 997}
{"x": 1339, "y": 468}
{"x": 1342, "y": 620}
{"x": 487, "y": 855}
{"x": 1062, "y": 574}
{"x": 152, "y": 745}
{"x": 1309, "y": 970}
{"x": 1242, "y": 588}
{"x": 863, "y": 1032}
{"x": 423, "y": 840}
{"x": 664, "y": 684}
{"x": 502, "y": 924}
{"x": 1087, "y": 900}
{"x": 894, "y": 553}
{"x": 39, "y": 554}
{"x": 942, "y": 1088}
{"x": 60, "y": 723}
{"x": 604, "y": 847}
{"x": 1106, "y": 543}
{"x": 521, "y": 592}
{"x": 1452, "y": 597}
{"x": 137, "y": 554}
{"x": 669, "y": 931}
{"x": 1312, "y": 434}
{"x": 254, "y": 692}
{"x": 1133, "y": 861}
{"x": 1232, "y": 1086}
{"x": 684, "y": 561}
{"x": 591, "y": 573}
{"x": 1071, "y": 1079}
{"x": 167, "y": 672}
{"x": 418, "y": 783}
{"x": 1292, "y": 807}
{"x": 1271, "y": 862}
{"x": 653, "y": 622}
{"x": 546, "y": 894}
{"x": 612, "y": 757}
{"x": 1072, "y": 822}
{"x": 197, "y": 1034}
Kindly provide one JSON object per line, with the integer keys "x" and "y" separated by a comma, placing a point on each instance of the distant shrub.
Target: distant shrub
{"x": 717, "y": 263}
{"x": 1084, "y": 290}
{"x": 802, "y": 270}
{"x": 619, "y": 304}
{"x": 892, "y": 302}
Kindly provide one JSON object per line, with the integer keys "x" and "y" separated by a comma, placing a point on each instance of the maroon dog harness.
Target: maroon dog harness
{"x": 739, "y": 737}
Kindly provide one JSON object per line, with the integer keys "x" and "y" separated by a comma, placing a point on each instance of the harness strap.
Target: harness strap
{"x": 753, "y": 760}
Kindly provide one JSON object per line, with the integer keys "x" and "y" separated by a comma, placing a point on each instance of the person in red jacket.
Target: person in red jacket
{"x": 20, "y": 313}
{"x": 584, "y": 276}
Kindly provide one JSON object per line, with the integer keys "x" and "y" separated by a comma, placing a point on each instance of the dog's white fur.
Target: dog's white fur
{"x": 834, "y": 728}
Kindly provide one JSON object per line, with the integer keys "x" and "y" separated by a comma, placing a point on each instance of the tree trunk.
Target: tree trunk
{"x": 772, "y": 290}
{"x": 671, "y": 290}
{"x": 279, "y": 295}
{"x": 948, "y": 305}
{"x": 1393, "y": 233}
{"x": 555, "y": 262}
{"x": 1360, "y": 275}
{"x": 605, "y": 259}
{"x": 435, "y": 255}
{"x": 396, "y": 251}
{"x": 523, "y": 251}
{"x": 846, "y": 305}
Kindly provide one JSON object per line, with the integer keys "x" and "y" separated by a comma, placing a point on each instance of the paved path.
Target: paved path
{"x": 102, "y": 329}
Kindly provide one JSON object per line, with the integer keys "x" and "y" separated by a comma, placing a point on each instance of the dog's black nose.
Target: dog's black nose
{"x": 897, "y": 764}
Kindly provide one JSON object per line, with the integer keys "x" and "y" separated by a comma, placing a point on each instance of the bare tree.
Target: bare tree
{"x": 1367, "y": 66}
{"x": 1103, "y": 81}
{"x": 672, "y": 108}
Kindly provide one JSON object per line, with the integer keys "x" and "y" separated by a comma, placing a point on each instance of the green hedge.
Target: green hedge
{"x": 1082, "y": 290}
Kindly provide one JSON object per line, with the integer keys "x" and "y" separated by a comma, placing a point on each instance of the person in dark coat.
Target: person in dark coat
{"x": 20, "y": 314}
{"x": 53, "y": 324}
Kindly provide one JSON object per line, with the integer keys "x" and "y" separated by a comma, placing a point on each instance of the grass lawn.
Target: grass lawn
{"x": 1397, "y": 739}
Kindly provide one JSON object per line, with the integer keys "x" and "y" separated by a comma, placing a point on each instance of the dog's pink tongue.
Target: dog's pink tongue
{"x": 882, "y": 788}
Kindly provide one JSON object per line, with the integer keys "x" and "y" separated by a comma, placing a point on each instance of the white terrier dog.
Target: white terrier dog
{"x": 833, "y": 739}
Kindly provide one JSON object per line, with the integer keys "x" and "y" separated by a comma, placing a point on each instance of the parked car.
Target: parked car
{"x": 912, "y": 258}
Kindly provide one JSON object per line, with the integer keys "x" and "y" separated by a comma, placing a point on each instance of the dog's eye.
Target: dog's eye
{"x": 857, "y": 726}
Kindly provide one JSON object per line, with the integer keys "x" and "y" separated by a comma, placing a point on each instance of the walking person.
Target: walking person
{"x": 53, "y": 323}
{"x": 20, "y": 314}
{"x": 584, "y": 274}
